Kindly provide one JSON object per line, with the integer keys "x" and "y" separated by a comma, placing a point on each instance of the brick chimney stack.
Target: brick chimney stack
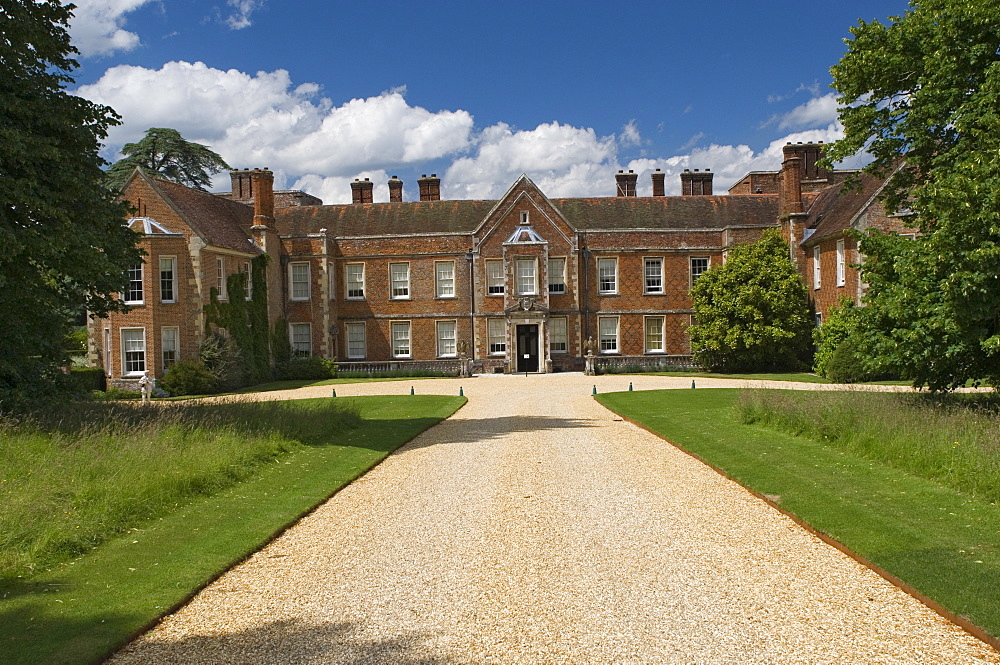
{"x": 810, "y": 154}
{"x": 791, "y": 179}
{"x": 262, "y": 184}
{"x": 395, "y": 190}
{"x": 659, "y": 184}
{"x": 626, "y": 182}
{"x": 696, "y": 183}
{"x": 430, "y": 188}
{"x": 361, "y": 191}
{"x": 242, "y": 185}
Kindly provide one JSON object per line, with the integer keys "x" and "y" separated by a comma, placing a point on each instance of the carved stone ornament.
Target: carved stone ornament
{"x": 527, "y": 303}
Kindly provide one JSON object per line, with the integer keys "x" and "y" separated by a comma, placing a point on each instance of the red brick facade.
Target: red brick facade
{"x": 519, "y": 284}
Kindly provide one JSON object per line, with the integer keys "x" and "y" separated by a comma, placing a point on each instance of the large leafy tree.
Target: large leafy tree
{"x": 924, "y": 92}
{"x": 165, "y": 152}
{"x": 752, "y": 312}
{"x": 64, "y": 243}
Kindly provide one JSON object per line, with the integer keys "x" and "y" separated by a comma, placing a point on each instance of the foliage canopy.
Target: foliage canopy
{"x": 752, "y": 312}
{"x": 65, "y": 246}
{"x": 925, "y": 89}
{"x": 165, "y": 152}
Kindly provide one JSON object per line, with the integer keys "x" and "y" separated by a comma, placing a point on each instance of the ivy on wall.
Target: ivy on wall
{"x": 245, "y": 320}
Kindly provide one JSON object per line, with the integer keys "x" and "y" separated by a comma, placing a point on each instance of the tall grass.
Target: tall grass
{"x": 71, "y": 480}
{"x": 953, "y": 440}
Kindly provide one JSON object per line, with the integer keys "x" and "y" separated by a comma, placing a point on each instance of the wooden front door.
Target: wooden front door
{"x": 527, "y": 348}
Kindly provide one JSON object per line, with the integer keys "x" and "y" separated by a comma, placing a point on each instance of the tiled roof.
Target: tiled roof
{"x": 833, "y": 209}
{"x": 586, "y": 214}
{"x": 379, "y": 219}
{"x": 669, "y": 212}
{"x": 221, "y": 222}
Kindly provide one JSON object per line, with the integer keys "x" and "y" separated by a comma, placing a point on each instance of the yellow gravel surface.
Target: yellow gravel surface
{"x": 534, "y": 526}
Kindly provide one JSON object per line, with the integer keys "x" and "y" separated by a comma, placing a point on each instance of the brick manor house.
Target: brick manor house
{"x": 518, "y": 285}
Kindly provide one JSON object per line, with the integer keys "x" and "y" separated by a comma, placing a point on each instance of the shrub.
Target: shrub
{"x": 114, "y": 394}
{"x": 849, "y": 364}
{"x": 86, "y": 379}
{"x": 189, "y": 377}
{"x": 76, "y": 341}
{"x": 221, "y": 357}
{"x": 752, "y": 312}
{"x": 841, "y": 322}
{"x": 310, "y": 367}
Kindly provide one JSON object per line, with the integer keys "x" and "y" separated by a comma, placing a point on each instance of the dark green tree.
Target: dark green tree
{"x": 64, "y": 242}
{"x": 922, "y": 97}
{"x": 752, "y": 312}
{"x": 165, "y": 152}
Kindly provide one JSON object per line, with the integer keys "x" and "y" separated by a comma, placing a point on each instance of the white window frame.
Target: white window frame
{"x": 446, "y": 346}
{"x": 656, "y": 290}
{"x": 248, "y": 281}
{"x": 607, "y": 276}
{"x": 220, "y": 278}
{"x": 524, "y": 218}
{"x": 607, "y": 340}
{"x": 444, "y": 284}
{"x": 496, "y": 334}
{"x": 166, "y": 348}
{"x": 129, "y": 291}
{"x": 841, "y": 264}
{"x": 559, "y": 334}
{"x": 399, "y": 289}
{"x": 495, "y": 281}
{"x": 817, "y": 270}
{"x": 353, "y": 353}
{"x": 300, "y": 348}
{"x": 299, "y": 281}
{"x": 331, "y": 270}
{"x": 358, "y": 285}
{"x": 107, "y": 352}
{"x": 141, "y": 361}
{"x": 691, "y": 270}
{"x": 661, "y": 321}
{"x": 400, "y": 337}
{"x": 527, "y": 276}
{"x": 171, "y": 281}
{"x": 557, "y": 276}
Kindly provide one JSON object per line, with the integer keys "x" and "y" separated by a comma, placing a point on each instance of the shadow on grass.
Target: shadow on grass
{"x": 289, "y": 641}
{"x": 26, "y": 632}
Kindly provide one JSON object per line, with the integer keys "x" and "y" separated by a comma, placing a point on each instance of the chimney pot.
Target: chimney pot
{"x": 430, "y": 188}
{"x": 658, "y": 177}
{"x": 696, "y": 183}
{"x": 395, "y": 190}
{"x": 626, "y": 183}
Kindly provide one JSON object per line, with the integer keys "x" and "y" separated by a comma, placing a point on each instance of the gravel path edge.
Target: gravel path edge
{"x": 936, "y": 607}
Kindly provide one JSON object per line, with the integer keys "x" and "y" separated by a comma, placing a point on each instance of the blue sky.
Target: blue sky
{"x": 567, "y": 92}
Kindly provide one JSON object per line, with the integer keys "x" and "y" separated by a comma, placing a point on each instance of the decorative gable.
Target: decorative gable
{"x": 525, "y": 234}
{"x": 149, "y": 226}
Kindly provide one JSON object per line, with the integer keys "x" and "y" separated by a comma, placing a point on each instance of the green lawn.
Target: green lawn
{"x": 291, "y": 384}
{"x": 942, "y": 542}
{"x": 78, "y": 612}
{"x": 802, "y": 377}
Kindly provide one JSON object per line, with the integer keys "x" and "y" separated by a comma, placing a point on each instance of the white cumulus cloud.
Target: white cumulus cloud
{"x": 817, "y": 111}
{"x": 563, "y": 160}
{"x": 262, "y": 119}
{"x": 314, "y": 144}
{"x": 242, "y": 9}
{"x": 97, "y": 26}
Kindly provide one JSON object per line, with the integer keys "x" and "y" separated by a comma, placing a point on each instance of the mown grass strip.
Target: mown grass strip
{"x": 85, "y": 609}
{"x": 943, "y": 543}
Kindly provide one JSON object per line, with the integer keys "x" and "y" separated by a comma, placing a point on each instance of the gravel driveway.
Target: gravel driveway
{"x": 535, "y": 527}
